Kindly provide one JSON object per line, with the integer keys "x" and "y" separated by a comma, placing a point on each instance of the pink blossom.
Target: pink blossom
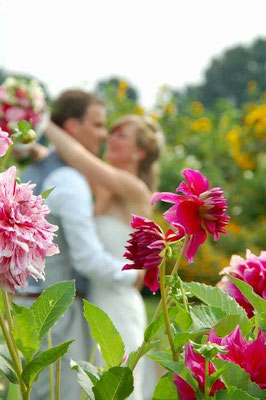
{"x": 5, "y": 142}
{"x": 198, "y": 211}
{"x": 249, "y": 356}
{"x": 25, "y": 235}
{"x": 14, "y": 114}
{"x": 3, "y": 94}
{"x": 145, "y": 246}
{"x": 252, "y": 271}
{"x": 196, "y": 364}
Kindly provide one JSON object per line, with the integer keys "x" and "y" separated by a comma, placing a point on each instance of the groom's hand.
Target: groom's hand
{"x": 140, "y": 280}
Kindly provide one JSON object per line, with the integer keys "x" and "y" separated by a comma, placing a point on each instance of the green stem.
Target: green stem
{"x": 184, "y": 297}
{"x": 158, "y": 309}
{"x": 10, "y": 323}
{"x": 51, "y": 369}
{"x": 165, "y": 310}
{"x": 13, "y": 354}
{"x": 206, "y": 386}
{"x": 58, "y": 377}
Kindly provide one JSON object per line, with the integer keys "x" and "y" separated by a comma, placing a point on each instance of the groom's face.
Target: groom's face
{"x": 91, "y": 129}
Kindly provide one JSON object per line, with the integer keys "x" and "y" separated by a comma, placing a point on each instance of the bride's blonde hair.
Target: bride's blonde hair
{"x": 149, "y": 137}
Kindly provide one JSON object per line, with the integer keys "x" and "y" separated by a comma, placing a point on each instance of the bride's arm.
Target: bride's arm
{"x": 119, "y": 182}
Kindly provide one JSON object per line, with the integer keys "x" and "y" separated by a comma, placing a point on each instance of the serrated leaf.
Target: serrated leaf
{"x": 164, "y": 359}
{"x": 88, "y": 368}
{"x": 216, "y": 297}
{"x": 7, "y": 370}
{"x": 216, "y": 374}
{"x": 83, "y": 378}
{"x": 232, "y": 393}
{"x": 47, "y": 192}
{"x": 25, "y": 331}
{"x": 115, "y": 384}
{"x": 105, "y": 333}
{"x": 52, "y": 304}
{"x": 42, "y": 360}
{"x": 256, "y": 301}
{"x": 227, "y": 324}
{"x": 165, "y": 388}
{"x": 236, "y": 376}
{"x": 205, "y": 317}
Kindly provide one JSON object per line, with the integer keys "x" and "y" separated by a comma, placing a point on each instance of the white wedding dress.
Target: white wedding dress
{"x": 123, "y": 304}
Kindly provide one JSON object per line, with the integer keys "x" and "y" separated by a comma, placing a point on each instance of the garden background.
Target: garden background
{"x": 219, "y": 127}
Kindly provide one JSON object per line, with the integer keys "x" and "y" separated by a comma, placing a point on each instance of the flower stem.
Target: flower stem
{"x": 58, "y": 377}
{"x": 184, "y": 297}
{"x": 158, "y": 309}
{"x": 206, "y": 385}
{"x": 165, "y": 310}
{"x": 51, "y": 369}
{"x": 13, "y": 353}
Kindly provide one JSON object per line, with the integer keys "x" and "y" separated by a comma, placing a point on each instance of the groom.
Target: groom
{"x": 82, "y": 115}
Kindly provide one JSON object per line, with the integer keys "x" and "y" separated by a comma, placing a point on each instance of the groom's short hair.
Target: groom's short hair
{"x": 72, "y": 103}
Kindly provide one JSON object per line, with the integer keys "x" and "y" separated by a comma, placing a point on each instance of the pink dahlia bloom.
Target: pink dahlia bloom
{"x": 199, "y": 210}
{"x": 25, "y": 235}
{"x": 196, "y": 364}
{"x": 5, "y": 142}
{"x": 251, "y": 270}
{"x": 145, "y": 246}
{"x": 249, "y": 356}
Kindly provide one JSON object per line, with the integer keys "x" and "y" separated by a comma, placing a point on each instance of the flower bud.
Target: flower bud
{"x": 28, "y": 137}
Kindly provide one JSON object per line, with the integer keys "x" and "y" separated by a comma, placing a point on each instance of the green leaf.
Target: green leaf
{"x": 52, "y": 304}
{"x": 105, "y": 333}
{"x": 42, "y": 360}
{"x": 25, "y": 331}
{"x": 216, "y": 297}
{"x": 205, "y": 317}
{"x": 47, "y": 192}
{"x": 182, "y": 338}
{"x": 227, "y": 324}
{"x": 133, "y": 354}
{"x": 7, "y": 370}
{"x": 234, "y": 375}
{"x": 165, "y": 388}
{"x": 256, "y": 301}
{"x": 115, "y": 384}
{"x": 24, "y": 126}
{"x": 232, "y": 393}
{"x": 165, "y": 360}
{"x": 13, "y": 392}
{"x": 155, "y": 326}
{"x": 87, "y": 376}
{"x": 216, "y": 374}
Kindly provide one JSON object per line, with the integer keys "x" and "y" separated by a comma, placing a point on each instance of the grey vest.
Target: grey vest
{"x": 58, "y": 267}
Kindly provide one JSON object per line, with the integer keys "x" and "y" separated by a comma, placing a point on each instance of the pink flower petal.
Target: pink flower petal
{"x": 195, "y": 241}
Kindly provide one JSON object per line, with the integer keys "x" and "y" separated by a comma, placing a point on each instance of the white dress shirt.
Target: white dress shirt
{"x": 72, "y": 202}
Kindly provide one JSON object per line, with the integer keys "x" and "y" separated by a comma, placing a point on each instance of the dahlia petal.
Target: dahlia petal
{"x": 187, "y": 392}
{"x": 195, "y": 241}
{"x": 196, "y": 181}
{"x": 151, "y": 279}
{"x": 166, "y": 196}
{"x": 188, "y": 216}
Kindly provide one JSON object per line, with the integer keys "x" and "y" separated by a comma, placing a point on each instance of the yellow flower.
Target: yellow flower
{"x": 202, "y": 125}
{"x": 123, "y": 85}
{"x": 121, "y": 94}
{"x": 170, "y": 109}
{"x": 256, "y": 119}
{"x": 233, "y": 136}
{"x": 197, "y": 108}
{"x": 252, "y": 86}
{"x": 139, "y": 110}
{"x": 154, "y": 115}
{"x": 244, "y": 160}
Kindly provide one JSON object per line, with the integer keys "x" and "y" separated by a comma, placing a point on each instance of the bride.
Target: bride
{"x": 122, "y": 187}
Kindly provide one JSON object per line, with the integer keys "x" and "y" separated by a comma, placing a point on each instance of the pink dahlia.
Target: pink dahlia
{"x": 196, "y": 364}
{"x": 25, "y": 235}
{"x": 199, "y": 210}
{"x": 252, "y": 271}
{"x": 145, "y": 247}
{"x": 249, "y": 356}
{"x": 5, "y": 142}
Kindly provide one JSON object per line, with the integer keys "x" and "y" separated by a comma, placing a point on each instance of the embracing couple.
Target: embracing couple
{"x": 92, "y": 234}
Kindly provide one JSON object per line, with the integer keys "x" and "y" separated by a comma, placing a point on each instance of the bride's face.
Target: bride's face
{"x": 121, "y": 146}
